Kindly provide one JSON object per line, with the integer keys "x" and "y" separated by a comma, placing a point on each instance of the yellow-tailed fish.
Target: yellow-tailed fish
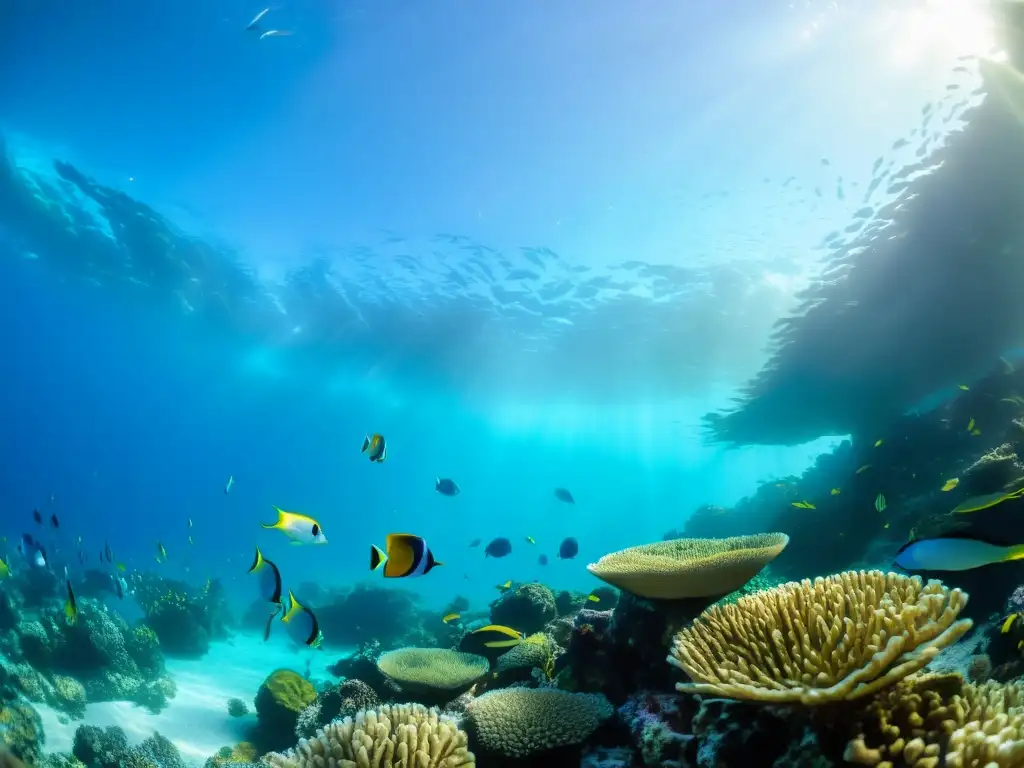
{"x": 5, "y": 572}
{"x": 954, "y": 552}
{"x": 299, "y": 528}
{"x": 228, "y": 485}
{"x": 530, "y": 540}
{"x": 498, "y": 636}
{"x": 1008, "y": 623}
{"x": 375, "y": 447}
{"x": 964, "y": 387}
{"x": 269, "y": 577}
{"x": 302, "y": 624}
{"x": 835, "y": 491}
{"x": 404, "y": 556}
{"x": 970, "y": 425}
{"x": 950, "y": 484}
{"x": 504, "y": 587}
{"x": 448, "y": 618}
{"x": 880, "y": 503}
{"x": 865, "y": 468}
{"x": 878, "y": 443}
{"x": 803, "y": 505}
{"x": 978, "y": 503}
{"x": 70, "y": 605}
{"x": 593, "y": 598}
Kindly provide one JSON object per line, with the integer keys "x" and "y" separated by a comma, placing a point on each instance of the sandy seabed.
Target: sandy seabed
{"x": 197, "y": 719}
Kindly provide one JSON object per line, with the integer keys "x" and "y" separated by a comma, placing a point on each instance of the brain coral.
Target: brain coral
{"x": 682, "y": 568}
{"x": 435, "y": 668}
{"x": 397, "y": 736}
{"x": 518, "y": 722}
{"x": 838, "y": 637}
{"x": 526, "y": 608}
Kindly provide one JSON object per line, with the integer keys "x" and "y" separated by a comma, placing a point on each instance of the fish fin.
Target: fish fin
{"x": 1016, "y": 553}
{"x": 256, "y": 560}
{"x": 279, "y": 522}
{"x": 377, "y": 557}
{"x": 293, "y": 607}
{"x": 366, "y": 444}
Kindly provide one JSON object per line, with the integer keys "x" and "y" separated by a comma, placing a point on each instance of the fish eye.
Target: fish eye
{"x": 316, "y": 529}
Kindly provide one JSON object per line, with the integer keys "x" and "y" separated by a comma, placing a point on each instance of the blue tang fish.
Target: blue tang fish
{"x": 954, "y": 553}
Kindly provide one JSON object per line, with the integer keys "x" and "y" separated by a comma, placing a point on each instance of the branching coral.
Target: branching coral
{"x": 397, "y": 736}
{"x": 838, "y": 637}
{"x": 990, "y": 730}
{"x": 518, "y": 722}
{"x": 682, "y": 568}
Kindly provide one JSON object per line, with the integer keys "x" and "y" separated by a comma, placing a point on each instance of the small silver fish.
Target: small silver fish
{"x": 254, "y": 24}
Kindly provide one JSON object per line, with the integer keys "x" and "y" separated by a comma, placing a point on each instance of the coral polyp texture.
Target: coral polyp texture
{"x": 397, "y": 736}
{"x": 990, "y": 730}
{"x": 434, "y": 668}
{"x": 683, "y": 568}
{"x": 838, "y": 637}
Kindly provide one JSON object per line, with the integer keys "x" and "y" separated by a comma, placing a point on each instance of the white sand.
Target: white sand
{"x": 197, "y": 720}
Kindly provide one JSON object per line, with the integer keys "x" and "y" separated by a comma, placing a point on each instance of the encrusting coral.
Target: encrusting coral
{"x": 518, "y": 722}
{"x": 396, "y": 736}
{"x": 838, "y": 637}
{"x": 433, "y": 668}
{"x": 684, "y": 568}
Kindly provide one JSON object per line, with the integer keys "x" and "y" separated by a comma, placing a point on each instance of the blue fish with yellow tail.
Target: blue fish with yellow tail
{"x": 302, "y": 624}
{"x": 954, "y": 552}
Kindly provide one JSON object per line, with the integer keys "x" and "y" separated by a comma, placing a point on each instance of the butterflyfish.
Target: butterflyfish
{"x": 404, "y": 555}
{"x": 803, "y": 505}
{"x": 880, "y": 503}
{"x": 299, "y": 528}
{"x": 448, "y": 618}
{"x": 977, "y": 503}
{"x": 375, "y": 447}
{"x": 499, "y": 547}
{"x": 269, "y": 577}
{"x": 302, "y": 624}
{"x": 954, "y": 552}
{"x": 70, "y": 605}
{"x": 1008, "y": 623}
{"x": 950, "y": 484}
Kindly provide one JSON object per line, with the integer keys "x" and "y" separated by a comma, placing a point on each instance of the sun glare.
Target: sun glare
{"x": 939, "y": 30}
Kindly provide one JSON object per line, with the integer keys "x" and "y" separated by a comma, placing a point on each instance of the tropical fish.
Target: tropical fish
{"x": 970, "y": 425}
{"x": 975, "y": 431}
{"x": 803, "y": 505}
{"x": 499, "y": 547}
{"x": 542, "y": 560}
{"x": 592, "y": 598}
{"x": 880, "y": 503}
{"x": 254, "y": 24}
{"x": 504, "y": 587}
{"x": 375, "y": 448}
{"x": 70, "y": 605}
{"x": 405, "y": 555}
{"x": 190, "y": 523}
{"x": 190, "y": 542}
{"x": 161, "y": 553}
{"x": 450, "y": 617}
{"x": 569, "y": 548}
{"x": 950, "y": 484}
{"x": 227, "y": 487}
{"x": 498, "y": 636}
{"x": 474, "y": 543}
{"x": 120, "y": 567}
{"x": 964, "y": 387}
{"x": 562, "y": 494}
{"x": 878, "y": 443}
{"x": 120, "y": 586}
{"x": 107, "y": 554}
{"x": 277, "y": 33}
{"x": 954, "y": 552}
{"x": 37, "y": 517}
{"x": 33, "y": 550}
{"x": 835, "y": 491}
{"x": 1008, "y": 623}
{"x": 446, "y": 486}
{"x": 302, "y": 624}
{"x": 530, "y": 540}
{"x": 865, "y": 468}
{"x": 299, "y": 528}
{"x": 977, "y": 503}
{"x": 5, "y": 572}
{"x": 269, "y": 578}
{"x": 54, "y": 521}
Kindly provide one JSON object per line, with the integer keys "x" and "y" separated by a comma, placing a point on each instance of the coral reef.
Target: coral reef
{"x": 183, "y": 618}
{"x": 343, "y": 700}
{"x": 526, "y": 608}
{"x": 280, "y": 699}
{"x": 21, "y": 729}
{"x": 241, "y": 755}
{"x": 399, "y": 735}
{"x": 99, "y": 748}
{"x": 372, "y": 613}
{"x": 237, "y": 708}
{"x": 433, "y": 675}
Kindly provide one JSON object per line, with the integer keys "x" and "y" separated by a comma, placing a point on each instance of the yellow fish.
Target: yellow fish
{"x": 835, "y": 491}
{"x": 970, "y": 425}
{"x": 975, "y": 431}
{"x": 299, "y": 528}
{"x": 70, "y": 606}
{"x": 594, "y": 598}
{"x": 865, "y": 468}
{"x": 880, "y": 503}
{"x": 964, "y": 387}
{"x": 803, "y": 505}
{"x": 5, "y": 572}
{"x": 529, "y": 540}
{"x": 878, "y": 442}
{"x": 120, "y": 567}
{"x": 1008, "y": 623}
{"x": 504, "y": 587}
{"x": 977, "y": 503}
{"x": 950, "y": 484}
{"x": 451, "y": 617}
{"x": 504, "y": 637}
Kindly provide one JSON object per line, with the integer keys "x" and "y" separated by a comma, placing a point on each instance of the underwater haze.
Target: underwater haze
{"x": 633, "y": 251}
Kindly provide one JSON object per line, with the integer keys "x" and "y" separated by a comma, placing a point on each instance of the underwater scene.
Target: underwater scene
{"x": 512, "y": 384}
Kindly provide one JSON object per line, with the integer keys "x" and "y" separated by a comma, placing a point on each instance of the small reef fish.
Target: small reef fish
{"x": 970, "y": 425}
{"x": 299, "y": 528}
{"x": 542, "y": 560}
{"x": 878, "y": 443}
{"x": 954, "y": 552}
{"x": 277, "y": 33}
{"x": 190, "y": 542}
{"x": 504, "y": 587}
{"x": 375, "y": 447}
{"x": 227, "y": 488}
{"x": 950, "y": 484}
{"x": 446, "y": 486}
{"x": 880, "y": 503}
{"x": 562, "y": 494}
{"x": 54, "y": 521}
{"x": 975, "y": 431}
{"x": 107, "y": 554}
{"x": 448, "y": 618}
{"x": 498, "y": 636}
{"x": 569, "y": 548}
{"x": 964, "y": 387}
{"x": 404, "y": 555}
{"x": 978, "y": 503}
{"x": 499, "y": 547}
{"x": 1008, "y": 623}
{"x": 861, "y": 470}
{"x": 190, "y": 523}
{"x": 161, "y": 553}
{"x": 835, "y": 491}
{"x": 269, "y": 578}
{"x": 33, "y": 550}
{"x": 592, "y": 598}
{"x": 120, "y": 586}
{"x": 120, "y": 567}
{"x": 474, "y": 543}
{"x": 5, "y": 572}
{"x": 530, "y": 540}
{"x": 70, "y": 605}
{"x": 302, "y": 624}
{"x": 255, "y": 23}
{"x": 803, "y": 505}
{"x": 37, "y": 517}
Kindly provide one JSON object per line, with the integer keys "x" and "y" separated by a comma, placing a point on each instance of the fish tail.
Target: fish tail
{"x": 1015, "y": 552}
{"x": 258, "y": 560}
{"x": 280, "y": 519}
{"x": 293, "y": 607}
{"x": 377, "y": 557}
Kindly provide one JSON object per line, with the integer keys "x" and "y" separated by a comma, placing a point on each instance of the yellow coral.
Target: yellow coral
{"x": 396, "y": 736}
{"x": 287, "y": 689}
{"x": 517, "y": 722}
{"x": 838, "y": 637}
{"x": 682, "y": 568}
{"x": 991, "y": 727}
{"x": 436, "y": 668}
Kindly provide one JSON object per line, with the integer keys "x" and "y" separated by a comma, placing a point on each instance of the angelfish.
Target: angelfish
{"x": 302, "y": 624}
{"x": 269, "y": 578}
{"x": 299, "y": 528}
